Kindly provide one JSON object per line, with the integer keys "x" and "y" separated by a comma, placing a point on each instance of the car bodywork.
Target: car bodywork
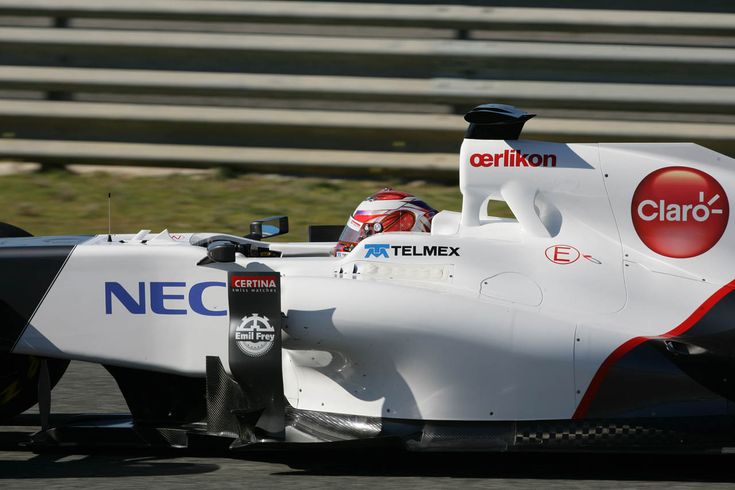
{"x": 600, "y": 318}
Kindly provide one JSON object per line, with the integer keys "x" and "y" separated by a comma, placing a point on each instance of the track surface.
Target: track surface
{"x": 88, "y": 388}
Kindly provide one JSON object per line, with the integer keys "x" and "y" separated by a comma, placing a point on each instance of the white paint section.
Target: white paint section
{"x": 385, "y": 362}
{"x": 628, "y": 164}
{"x": 565, "y": 204}
{"x": 478, "y": 320}
{"x": 72, "y": 321}
{"x": 512, "y": 287}
{"x": 446, "y": 223}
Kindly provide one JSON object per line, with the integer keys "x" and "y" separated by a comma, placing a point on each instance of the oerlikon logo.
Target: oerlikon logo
{"x": 512, "y": 158}
{"x": 680, "y": 212}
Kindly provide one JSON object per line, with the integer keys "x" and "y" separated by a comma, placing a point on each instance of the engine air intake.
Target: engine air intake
{"x": 495, "y": 122}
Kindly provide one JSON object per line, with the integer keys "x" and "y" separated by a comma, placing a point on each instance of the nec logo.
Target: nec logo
{"x": 379, "y": 250}
{"x": 166, "y": 298}
{"x": 513, "y": 158}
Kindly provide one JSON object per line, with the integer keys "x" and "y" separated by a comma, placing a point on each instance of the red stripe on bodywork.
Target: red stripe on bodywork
{"x": 631, "y": 344}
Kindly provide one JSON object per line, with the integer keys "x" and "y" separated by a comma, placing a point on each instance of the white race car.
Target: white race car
{"x": 601, "y": 318}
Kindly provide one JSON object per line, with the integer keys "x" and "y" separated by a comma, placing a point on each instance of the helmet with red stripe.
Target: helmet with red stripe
{"x": 385, "y": 211}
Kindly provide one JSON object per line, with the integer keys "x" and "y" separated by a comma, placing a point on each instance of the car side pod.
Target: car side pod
{"x": 495, "y": 122}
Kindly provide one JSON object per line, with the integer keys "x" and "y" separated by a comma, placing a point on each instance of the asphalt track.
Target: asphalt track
{"x": 88, "y": 388}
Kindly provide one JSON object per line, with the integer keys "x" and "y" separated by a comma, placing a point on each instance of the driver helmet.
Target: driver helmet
{"x": 387, "y": 210}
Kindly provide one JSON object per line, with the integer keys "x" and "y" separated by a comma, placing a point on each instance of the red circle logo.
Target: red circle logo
{"x": 680, "y": 212}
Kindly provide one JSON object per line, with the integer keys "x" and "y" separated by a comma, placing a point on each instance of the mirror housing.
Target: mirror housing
{"x": 221, "y": 251}
{"x": 268, "y": 227}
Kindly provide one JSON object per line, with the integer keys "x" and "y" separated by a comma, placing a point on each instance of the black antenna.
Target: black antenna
{"x": 109, "y": 216}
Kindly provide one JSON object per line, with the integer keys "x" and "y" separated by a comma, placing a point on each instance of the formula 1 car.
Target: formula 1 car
{"x": 601, "y": 318}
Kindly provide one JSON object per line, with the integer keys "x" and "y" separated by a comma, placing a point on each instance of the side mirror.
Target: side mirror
{"x": 268, "y": 227}
{"x": 221, "y": 251}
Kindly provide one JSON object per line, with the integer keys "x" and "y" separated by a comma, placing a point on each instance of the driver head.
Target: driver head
{"x": 385, "y": 211}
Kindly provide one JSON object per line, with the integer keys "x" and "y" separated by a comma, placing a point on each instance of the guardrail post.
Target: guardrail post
{"x": 61, "y": 23}
{"x": 462, "y": 34}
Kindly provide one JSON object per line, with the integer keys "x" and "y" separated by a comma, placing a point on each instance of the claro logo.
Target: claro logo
{"x": 513, "y": 158}
{"x": 680, "y": 212}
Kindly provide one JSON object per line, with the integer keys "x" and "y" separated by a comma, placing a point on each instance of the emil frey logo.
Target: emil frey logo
{"x": 385, "y": 250}
{"x": 680, "y": 212}
{"x": 255, "y": 335}
{"x": 513, "y": 158}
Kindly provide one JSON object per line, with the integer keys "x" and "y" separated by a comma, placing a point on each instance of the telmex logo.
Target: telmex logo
{"x": 679, "y": 212}
{"x": 164, "y": 298}
{"x": 513, "y": 158}
{"x": 383, "y": 249}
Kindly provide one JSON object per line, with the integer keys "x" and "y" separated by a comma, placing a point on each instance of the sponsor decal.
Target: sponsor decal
{"x": 679, "y": 212}
{"x": 376, "y": 250}
{"x": 562, "y": 254}
{"x": 254, "y": 347}
{"x": 252, "y": 284}
{"x": 513, "y": 158}
{"x": 566, "y": 254}
{"x": 385, "y": 250}
{"x": 255, "y": 335}
{"x": 161, "y": 298}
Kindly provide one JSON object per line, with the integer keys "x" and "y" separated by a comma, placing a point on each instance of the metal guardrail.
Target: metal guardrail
{"x": 366, "y": 56}
{"x": 344, "y": 130}
{"x": 455, "y": 91}
{"x": 459, "y": 17}
{"x": 594, "y": 90}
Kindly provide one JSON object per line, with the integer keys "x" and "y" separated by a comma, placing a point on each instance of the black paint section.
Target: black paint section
{"x": 26, "y": 273}
{"x": 648, "y": 382}
{"x": 495, "y": 122}
{"x": 715, "y": 331}
{"x": 691, "y": 374}
{"x": 259, "y": 375}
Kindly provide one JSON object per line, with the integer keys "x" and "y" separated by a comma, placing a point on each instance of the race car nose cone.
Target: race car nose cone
{"x": 495, "y": 122}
